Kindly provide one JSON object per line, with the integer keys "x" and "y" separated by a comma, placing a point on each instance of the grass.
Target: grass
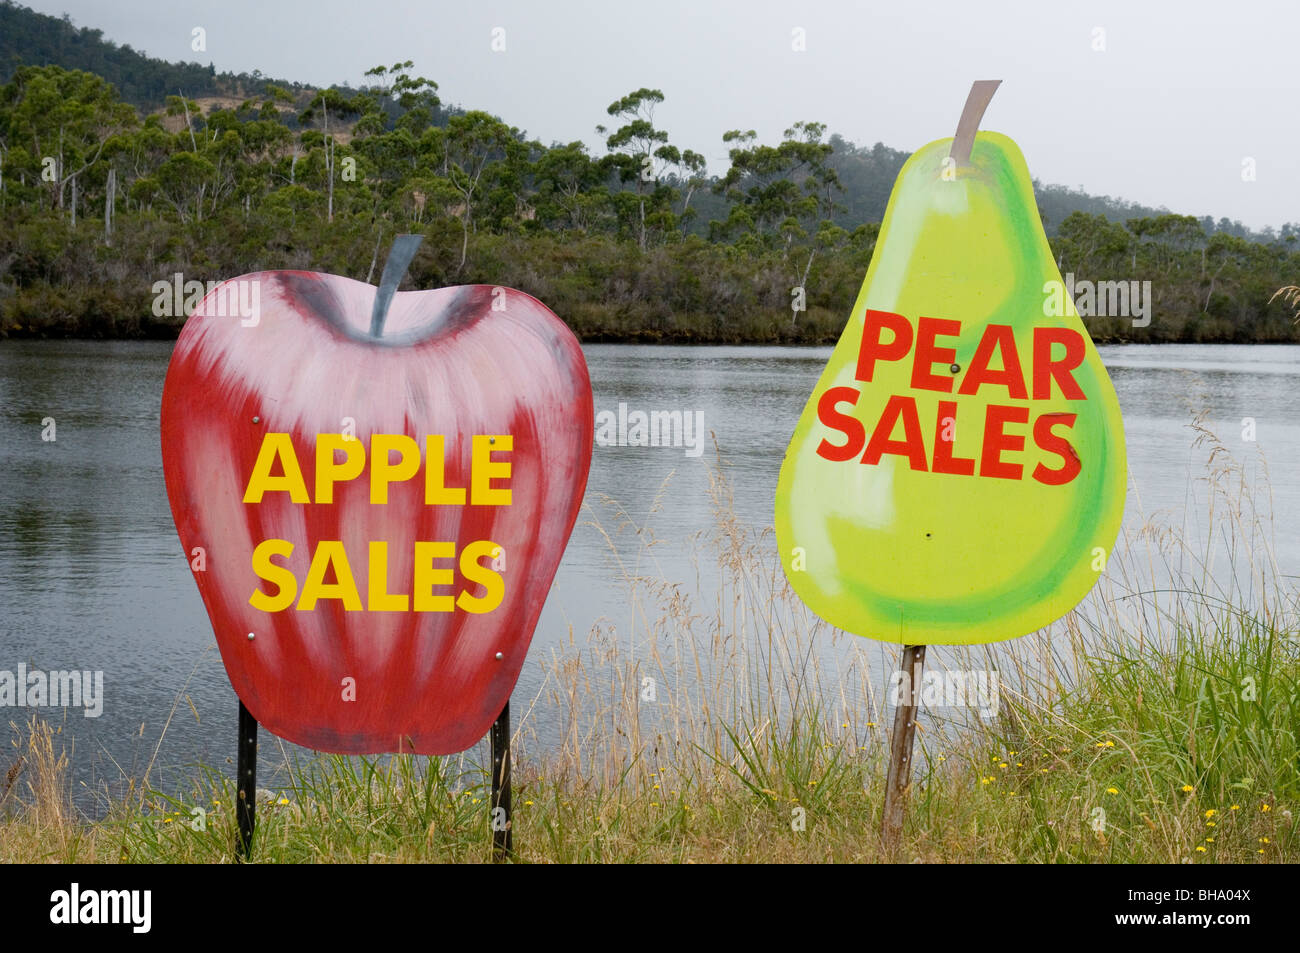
{"x": 1155, "y": 723}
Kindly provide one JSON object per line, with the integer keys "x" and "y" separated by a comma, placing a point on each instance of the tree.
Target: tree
{"x": 321, "y": 104}
{"x": 1090, "y": 244}
{"x": 688, "y": 171}
{"x": 471, "y": 141}
{"x": 1166, "y": 235}
{"x": 780, "y": 188}
{"x": 1223, "y": 250}
{"x": 66, "y": 117}
{"x": 636, "y": 145}
{"x": 569, "y": 189}
{"x": 183, "y": 180}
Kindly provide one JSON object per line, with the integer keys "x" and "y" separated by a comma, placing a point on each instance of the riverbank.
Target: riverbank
{"x": 1151, "y": 725}
{"x": 1150, "y": 759}
{"x": 63, "y": 314}
{"x": 61, "y": 282}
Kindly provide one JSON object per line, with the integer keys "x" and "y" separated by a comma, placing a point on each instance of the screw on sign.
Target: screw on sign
{"x": 355, "y": 579}
{"x": 961, "y": 458}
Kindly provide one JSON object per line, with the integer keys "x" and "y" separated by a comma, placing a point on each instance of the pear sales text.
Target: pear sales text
{"x": 998, "y": 339}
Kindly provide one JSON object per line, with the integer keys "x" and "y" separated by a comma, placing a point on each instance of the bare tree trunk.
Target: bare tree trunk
{"x": 111, "y": 196}
{"x": 74, "y": 202}
{"x": 803, "y": 283}
{"x": 186, "y": 105}
{"x": 329, "y": 160}
{"x": 375, "y": 259}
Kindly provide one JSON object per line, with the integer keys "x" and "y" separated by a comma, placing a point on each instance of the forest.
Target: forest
{"x": 126, "y": 172}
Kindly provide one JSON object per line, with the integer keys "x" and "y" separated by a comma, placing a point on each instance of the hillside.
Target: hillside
{"x": 868, "y": 173}
{"x": 101, "y": 198}
{"x": 37, "y": 39}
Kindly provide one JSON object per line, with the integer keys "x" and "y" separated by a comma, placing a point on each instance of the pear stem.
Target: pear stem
{"x": 981, "y": 92}
{"x": 399, "y": 259}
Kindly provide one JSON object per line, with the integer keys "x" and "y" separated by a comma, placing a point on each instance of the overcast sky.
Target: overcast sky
{"x": 1159, "y": 103}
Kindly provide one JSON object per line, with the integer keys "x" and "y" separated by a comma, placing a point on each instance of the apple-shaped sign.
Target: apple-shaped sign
{"x": 374, "y": 491}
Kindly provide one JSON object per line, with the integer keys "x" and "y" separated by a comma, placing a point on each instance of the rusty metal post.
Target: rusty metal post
{"x": 246, "y": 784}
{"x": 500, "y": 814}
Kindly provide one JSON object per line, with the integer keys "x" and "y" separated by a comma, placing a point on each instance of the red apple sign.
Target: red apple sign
{"x": 380, "y": 515}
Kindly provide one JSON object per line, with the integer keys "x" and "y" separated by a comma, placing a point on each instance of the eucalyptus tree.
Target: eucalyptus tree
{"x": 641, "y": 154}
{"x": 62, "y": 119}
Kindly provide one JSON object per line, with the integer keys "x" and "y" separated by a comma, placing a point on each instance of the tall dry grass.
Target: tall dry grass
{"x": 1157, "y": 722}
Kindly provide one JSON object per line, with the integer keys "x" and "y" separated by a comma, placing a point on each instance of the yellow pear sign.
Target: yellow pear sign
{"x": 958, "y": 474}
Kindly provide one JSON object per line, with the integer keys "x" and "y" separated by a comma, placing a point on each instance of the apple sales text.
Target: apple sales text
{"x": 393, "y": 458}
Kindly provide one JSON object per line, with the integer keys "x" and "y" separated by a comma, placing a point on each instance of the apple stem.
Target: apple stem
{"x": 399, "y": 259}
{"x": 981, "y": 91}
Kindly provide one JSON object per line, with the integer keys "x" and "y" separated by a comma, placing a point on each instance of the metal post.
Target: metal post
{"x": 246, "y": 778}
{"x": 899, "y": 781}
{"x": 502, "y": 842}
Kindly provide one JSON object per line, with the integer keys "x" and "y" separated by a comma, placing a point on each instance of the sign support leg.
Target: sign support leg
{"x": 899, "y": 781}
{"x": 502, "y": 842}
{"x": 246, "y": 771}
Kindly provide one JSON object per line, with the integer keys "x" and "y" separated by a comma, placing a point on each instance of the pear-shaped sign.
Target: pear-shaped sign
{"x": 958, "y": 473}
